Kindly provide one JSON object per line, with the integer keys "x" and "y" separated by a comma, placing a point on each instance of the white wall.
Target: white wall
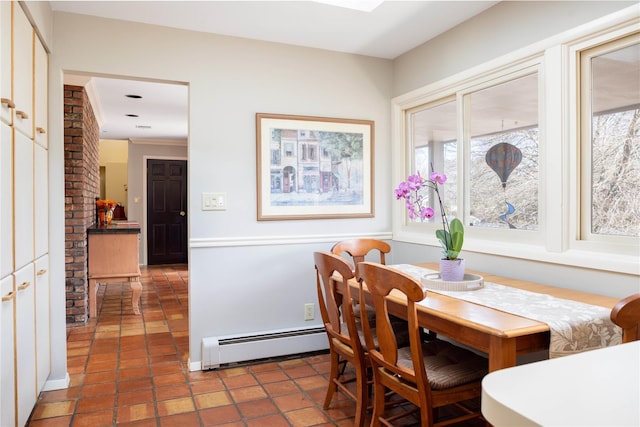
{"x": 230, "y": 80}
{"x": 505, "y": 27}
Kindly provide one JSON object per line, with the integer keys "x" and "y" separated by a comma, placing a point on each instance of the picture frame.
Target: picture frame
{"x": 314, "y": 167}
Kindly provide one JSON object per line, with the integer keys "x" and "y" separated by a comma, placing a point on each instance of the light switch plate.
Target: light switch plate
{"x": 214, "y": 201}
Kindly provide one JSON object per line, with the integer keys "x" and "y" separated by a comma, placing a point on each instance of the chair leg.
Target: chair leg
{"x": 362, "y": 395}
{"x": 379, "y": 397}
{"x": 333, "y": 376}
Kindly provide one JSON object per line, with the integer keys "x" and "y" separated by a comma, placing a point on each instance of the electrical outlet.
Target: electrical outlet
{"x": 309, "y": 311}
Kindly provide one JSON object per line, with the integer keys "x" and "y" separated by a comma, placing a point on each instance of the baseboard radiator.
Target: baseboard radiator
{"x": 217, "y": 351}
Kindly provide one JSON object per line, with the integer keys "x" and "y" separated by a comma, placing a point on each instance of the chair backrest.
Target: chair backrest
{"x": 336, "y": 304}
{"x": 626, "y": 314}
{"x": 380, "y": 281}
{"x": 359, "y": 248}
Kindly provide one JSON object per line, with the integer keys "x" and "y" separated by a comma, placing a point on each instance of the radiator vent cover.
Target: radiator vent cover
{"x": 217, "y": 351}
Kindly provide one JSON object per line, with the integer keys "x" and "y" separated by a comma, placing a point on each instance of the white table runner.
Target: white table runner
{"x": 575, "y": 326}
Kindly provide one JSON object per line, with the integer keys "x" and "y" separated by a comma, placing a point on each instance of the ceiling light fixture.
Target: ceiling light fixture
{"x": 361, "y": 5}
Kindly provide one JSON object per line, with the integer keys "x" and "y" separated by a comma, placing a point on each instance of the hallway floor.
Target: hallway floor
{"x": 132, "y": 370}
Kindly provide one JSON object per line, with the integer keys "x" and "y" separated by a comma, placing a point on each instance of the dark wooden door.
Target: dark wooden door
{"x": 166, "y": 211}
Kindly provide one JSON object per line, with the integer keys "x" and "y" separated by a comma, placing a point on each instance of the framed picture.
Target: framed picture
{"x": 314, "y": 167}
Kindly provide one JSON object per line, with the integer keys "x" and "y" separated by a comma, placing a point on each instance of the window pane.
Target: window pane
{"x": 433, "y": 131}
{"x": 615, "y": 142}
{"x": 503, "y": 173}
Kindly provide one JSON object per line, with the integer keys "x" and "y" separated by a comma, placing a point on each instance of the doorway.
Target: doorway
{"x": 166, "y": 211}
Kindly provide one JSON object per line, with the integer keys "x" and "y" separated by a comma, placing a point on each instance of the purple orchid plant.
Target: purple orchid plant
{"x": 451, "y": 236}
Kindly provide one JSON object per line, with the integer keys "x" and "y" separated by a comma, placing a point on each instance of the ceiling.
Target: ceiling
{"x": 391, "y": 29}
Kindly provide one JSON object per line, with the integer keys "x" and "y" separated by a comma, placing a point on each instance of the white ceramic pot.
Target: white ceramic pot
{"x": 452, "y": 270}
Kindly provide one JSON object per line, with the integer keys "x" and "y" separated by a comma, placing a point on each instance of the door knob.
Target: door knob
{"x": 182, "y": 213}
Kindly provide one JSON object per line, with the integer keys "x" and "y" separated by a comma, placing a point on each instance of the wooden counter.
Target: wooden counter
{"x": 113, "y": 258}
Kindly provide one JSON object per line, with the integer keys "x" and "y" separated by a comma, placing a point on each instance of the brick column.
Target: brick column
{"x": 82, "y": 186}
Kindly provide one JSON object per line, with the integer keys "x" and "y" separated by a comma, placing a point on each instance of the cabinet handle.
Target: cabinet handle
{"x": 22, "y": 115}
{"x": 40, "y": 130}
{"x": 24, "y": 286}
{"x": 41, "y": 272}
{"x": 11, "y": 295}
{"x": 9, "y": 102}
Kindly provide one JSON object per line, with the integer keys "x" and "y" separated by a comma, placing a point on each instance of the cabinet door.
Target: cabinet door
{"x": 41, "y": 200}
{"x": 25, "y": 344}
{"x": 43, "y": 354}
{"x": 7, "y": 358}
{"x": 23, "y": 36}
{"x": 6, "y": 92}
{"x": 6, "y": 199}
{"x": 23, "y": 199}
{"x": 40, "y": 95}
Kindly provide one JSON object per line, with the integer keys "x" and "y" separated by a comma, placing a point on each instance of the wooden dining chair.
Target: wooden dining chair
{"x": 345, "y": 345}
{"x": 358, "y": 249}
{"x": 626, "y": 314}
{"x": 430, "y": 374}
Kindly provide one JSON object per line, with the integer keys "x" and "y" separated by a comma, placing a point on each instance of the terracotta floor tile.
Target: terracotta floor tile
{"x": 292, "y": 401}
{"x": 57, "y": 395}
{"x": 277, "y": 420}
{"x": 211, "y": 400}
{"x": 100, "y": 377}
{"x": 92, "y": 404}
{"x": 149, "y": 422}
{"x": 271, "y": 376}
{"x": 135, "y": 384}
{"x": 220, "y": 415}
{"x": 172, "y": 392}
{"x": 171, "y": 379}
{"x": 257, "y": 408}
{"x": 214, "y": 384}
{"x": 135, "y": 372}
{"x": 180, "y": 420}
{"x": 54, "y": 409}
{"x": 52, "y": 422}
{"x": 245, "y": 394}
{"x": 313, "y": 382}
{"x": 98, "y": 389}
{"x": 238, "y": 381}
{"x": 135, "y": 412}
{"x": 281, "y": 388}
{"x": 175, "y": 406}
{"x": 94, "y": 419}
{"x": 306, "y": 417}
{"x": 135, "y": 397}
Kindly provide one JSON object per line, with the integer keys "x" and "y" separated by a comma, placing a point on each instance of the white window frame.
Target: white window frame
{"x": 559, "y": 154}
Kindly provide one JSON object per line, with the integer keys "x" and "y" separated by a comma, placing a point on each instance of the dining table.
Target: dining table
{"x": 500, "y": 334}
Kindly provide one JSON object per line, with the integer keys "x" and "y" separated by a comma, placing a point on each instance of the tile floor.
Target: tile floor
{"x": 130, "y": 370}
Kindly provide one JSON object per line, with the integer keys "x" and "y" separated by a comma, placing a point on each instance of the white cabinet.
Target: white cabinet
{"x": 41, "y": 200}
{"x": 23, "y": 200}
{"x": 6, "y": 201}
{"x": 40, "y": 87}
{"x": 43, "y": 344}
{"x": 25, "y": 327}
{"x": 7, "y": 357}
{"x": 25, "y": 346}
{"x": 23, "y": 37}
{"x": 6, "y": 91}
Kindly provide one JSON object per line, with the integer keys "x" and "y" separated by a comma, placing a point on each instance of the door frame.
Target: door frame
{"x": 143, "y": 225}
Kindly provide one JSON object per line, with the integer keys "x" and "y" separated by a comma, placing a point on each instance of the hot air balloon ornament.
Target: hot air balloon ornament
{"x": 503, "y": 158}
{"x": 415, "y": 192}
